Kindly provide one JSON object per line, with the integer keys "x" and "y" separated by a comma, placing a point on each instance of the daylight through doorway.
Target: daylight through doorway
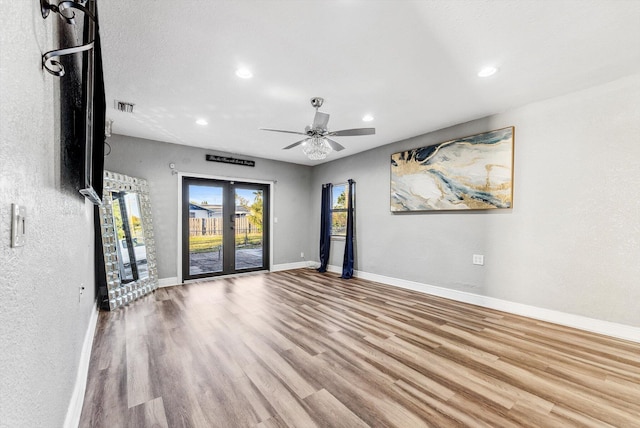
{"x": 224, "y": 228}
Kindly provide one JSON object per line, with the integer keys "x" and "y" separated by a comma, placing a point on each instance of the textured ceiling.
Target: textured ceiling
{"x": 411, "y": 64}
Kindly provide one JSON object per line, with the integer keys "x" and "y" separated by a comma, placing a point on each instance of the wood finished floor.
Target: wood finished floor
{"x": 301, "y": 349}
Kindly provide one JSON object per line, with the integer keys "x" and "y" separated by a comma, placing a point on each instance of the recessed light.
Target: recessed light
{"x": 202, "y": 122}
{"x": 367, "y": 118}
{"x": 487, "y": 71}
{"x": 244, "y": 73}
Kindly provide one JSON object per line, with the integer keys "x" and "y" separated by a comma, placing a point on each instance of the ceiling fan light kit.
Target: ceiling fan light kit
{"x": 316, "y": 148}
{"x": 316, "y": 145}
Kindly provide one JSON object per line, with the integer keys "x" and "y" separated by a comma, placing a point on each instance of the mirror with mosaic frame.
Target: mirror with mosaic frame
{"x": 127, "y": 239}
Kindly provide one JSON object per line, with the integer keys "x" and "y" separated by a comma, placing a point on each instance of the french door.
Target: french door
{"x": 224, "y": 227}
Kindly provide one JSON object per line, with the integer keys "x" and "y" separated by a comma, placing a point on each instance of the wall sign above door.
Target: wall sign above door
{"x": 224, "y": 159}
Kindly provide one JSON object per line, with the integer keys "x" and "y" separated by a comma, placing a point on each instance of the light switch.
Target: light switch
{"x": 18, "y": 225}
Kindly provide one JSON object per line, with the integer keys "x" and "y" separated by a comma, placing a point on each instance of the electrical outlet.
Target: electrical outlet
{"x": 302, "y": 255}
{"x": 478, "y": 259}
{"x": 81, "y": 289}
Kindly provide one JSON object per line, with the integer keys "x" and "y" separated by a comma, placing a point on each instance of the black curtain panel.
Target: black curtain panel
{"x": 347, "y": 264}
{"x": 325, "y": 227}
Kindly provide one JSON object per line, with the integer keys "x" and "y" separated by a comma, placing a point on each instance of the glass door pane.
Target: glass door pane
{"x": 205, "y": 228}
{"x": 225, "y": 227}
{"x": 248, "y": 226}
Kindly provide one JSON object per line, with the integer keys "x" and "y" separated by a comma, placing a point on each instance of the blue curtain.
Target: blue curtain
{"x": 347, "y": 264}
{"x": 325, "y": 227}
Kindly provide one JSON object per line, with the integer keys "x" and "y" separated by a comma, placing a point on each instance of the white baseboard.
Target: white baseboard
{"x": 168, "y": 282}
{"x": 338, "y": 269}
{"x": 77, "y": 398}
{"x": 289, "y": 266}
{"x": 593, "y": 325}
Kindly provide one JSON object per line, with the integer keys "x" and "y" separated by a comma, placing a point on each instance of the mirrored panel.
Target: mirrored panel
{"x": 127, "y": 238}
{"x": 129, "y": 230}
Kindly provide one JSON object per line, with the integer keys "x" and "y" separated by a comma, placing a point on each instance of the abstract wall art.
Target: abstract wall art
{"x": 471, "y": 173}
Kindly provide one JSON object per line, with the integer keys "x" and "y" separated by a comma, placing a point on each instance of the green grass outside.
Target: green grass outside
{"x": 204, "y": 244}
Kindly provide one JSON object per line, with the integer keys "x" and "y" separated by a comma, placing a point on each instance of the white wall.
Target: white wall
{"x": 42, "y": 320}
{"x": 571, "y": 243}
{"x": 150, "y": 160}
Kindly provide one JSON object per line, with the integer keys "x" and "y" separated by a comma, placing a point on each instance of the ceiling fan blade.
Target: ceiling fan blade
{"x": 320, "y": 120}
{"x": 295, "y": 144}
{"x": 334, "y": 145}
{"x": 280, "y": 130}
{"x": 352, "y": 132}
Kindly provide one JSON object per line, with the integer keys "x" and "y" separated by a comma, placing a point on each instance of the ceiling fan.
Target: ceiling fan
{"x": 316, "y": 144}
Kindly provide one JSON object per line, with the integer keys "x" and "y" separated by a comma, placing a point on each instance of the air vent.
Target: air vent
{"x": 124, "y": 106}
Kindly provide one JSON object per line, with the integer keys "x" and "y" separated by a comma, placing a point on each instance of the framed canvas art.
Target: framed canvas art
{"x": 471, "y": 173}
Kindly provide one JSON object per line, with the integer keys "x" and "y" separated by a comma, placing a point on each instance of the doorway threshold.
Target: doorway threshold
{"x": 231, "y": 275}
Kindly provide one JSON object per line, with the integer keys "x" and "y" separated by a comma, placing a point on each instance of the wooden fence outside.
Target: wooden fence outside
{"x": 213, "y": 226}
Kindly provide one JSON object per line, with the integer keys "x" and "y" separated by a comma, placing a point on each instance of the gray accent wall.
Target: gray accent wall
{"x": 43, "y": 319}
{"x": 150, "y": 160}
{"x": 570, "y": 243}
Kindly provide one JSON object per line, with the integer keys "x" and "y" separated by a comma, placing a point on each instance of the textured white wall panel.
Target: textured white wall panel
{"x": 42, "y": 319}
